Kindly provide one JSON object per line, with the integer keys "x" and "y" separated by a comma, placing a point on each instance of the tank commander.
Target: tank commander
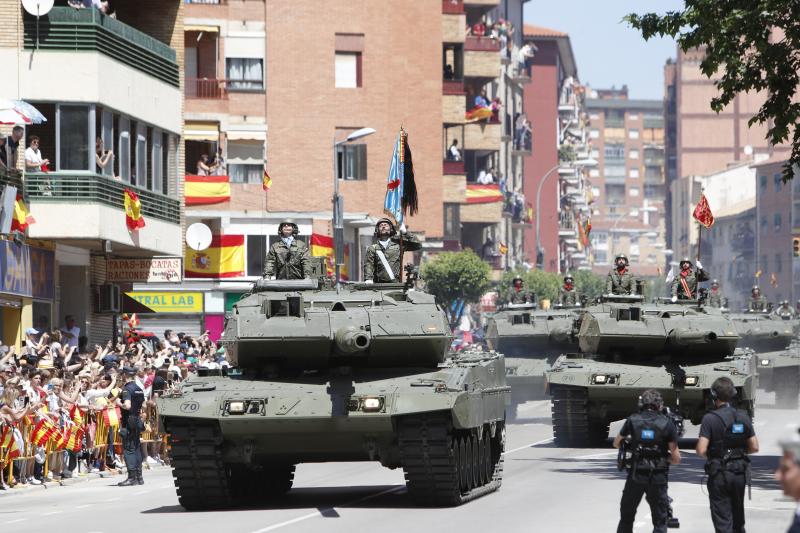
{"x": 288, "y": 258}
{"x": 757, "y": 303}
{"x": 684, "y": 286}
{"x": 652, "y": 439}
{"x": 715, "y": 296}
{"x": 568, "y": 295}
{"x": 785, "y": 311}
{"x": 620, "y": 281}
{"x": 382, "y": 260}
{"x": 517, "y": 294}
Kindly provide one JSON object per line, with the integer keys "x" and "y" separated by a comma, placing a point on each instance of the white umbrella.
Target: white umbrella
{"x": 29, "y": 114}
{"x": 12, "y": 116}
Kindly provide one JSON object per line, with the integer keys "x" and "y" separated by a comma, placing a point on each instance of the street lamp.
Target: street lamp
{"x": 338, "y": 202}
{"x": 579, "y": 163}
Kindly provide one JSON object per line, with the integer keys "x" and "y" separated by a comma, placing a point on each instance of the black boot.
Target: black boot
{"x": 139, "y": 478}
{"x": 130, "y": 481}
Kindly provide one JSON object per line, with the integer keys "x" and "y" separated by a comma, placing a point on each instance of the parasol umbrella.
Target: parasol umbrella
{"x": 27, "y": 113}
{"x": 11, "y": 116}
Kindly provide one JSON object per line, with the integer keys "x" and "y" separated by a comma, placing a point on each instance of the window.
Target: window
{"x": 140, "y": 177}
{"x": 595, "y": 191}
{"x": 256, "y": 253}
{"x": 244, "y": 73}
{"x": 633, "y": 173}
{"x": 777, "y": 222}
{"x": 778, "y": 263}
{"x": 594, "y": 116}
{"x": 778, "y": 182}
{"x": 614, "y": 171}
{"x": 633, "y": 191}
{"x": 763, "y": 266}
{"x": 633, "y": 116}
{"x": 764, "y": 225}
{"x": 594, "y": 134}
{"x": 595, "y": 153}
{"x": 633, "y": 154}
{"x": 245, "y": 161}
{"x": 633, "y": 133}
{"x": 600, "y": 256}
{"x": 614, "y": 151}
{"x": 73, "y": 138}
{"x": 240, "y": 173}
{"x": 124, "y": 153}
{"x": 452, "y": 221}
{"x": 348, "y": 70}
{"x": 600, "y": 239}
{"x": 594, "y": 173}
{"x": 351, "y": 161}
{"x": 763, "y": 182}
{"x": 615, "y": 194}
{"x": 157, "y": 161}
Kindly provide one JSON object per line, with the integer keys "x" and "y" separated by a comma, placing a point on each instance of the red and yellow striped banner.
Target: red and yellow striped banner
{"x": 8, "y": 442}
{"x": 204, "y": 190}
{"x": 483, "y": 194}
{"x": 322, "y": 246}
{"x": 42, "y": 432}
{"x": 223, "y": 259}
{"x": 111, "y": 417}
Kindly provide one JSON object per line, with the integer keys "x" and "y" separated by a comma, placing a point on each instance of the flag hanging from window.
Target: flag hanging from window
{"x": 133, "y": 211}
{"x": 22, "y": 217}
{"x": 224, "y": 258}
{"x": 702, "y": 212}
{"x": 401, "y": 189}
{"x": 267, "y": 181}
{"x": 205, "y": 190}
{"x": 503, "y": 248}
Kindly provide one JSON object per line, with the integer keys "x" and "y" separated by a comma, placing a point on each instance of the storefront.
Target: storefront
{"x": 27, "y": 287}
{"x": 157, "y": 311}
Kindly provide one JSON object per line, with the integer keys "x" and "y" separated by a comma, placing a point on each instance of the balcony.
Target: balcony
{"x": 11, "y": 177}
{"x": 482, "y": 136}
{"x": 453, "y": 21}
{"x": 481, "y": 57}
{"x": 452, "y": 7}
{"x": 206, "y": 88}
{"x": 481, "y": 3}
{"x": 453, "y": 102}
{"x": 566, "y": 225}
{"x": 207, "y": 2}
{"x": 85, "y": 206}
{"x": 453, "y": 167}
{"x": 88, "y": 30}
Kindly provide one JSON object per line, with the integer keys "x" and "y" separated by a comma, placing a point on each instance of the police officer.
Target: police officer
{"x": 653, "y": 441}
{"x": 726, "y": 438}
{"x": 132, "y": 401}
{"x": 620, "y": 280}
{"x": 382, "y": 258}
{"x": 684, "y": 286}
{"x": 568, "y": 296}
{"x": 758, "y": 303}
{"x": 288, "y": 258}
{"x": 715, "y": 296}
{"x": 516, "y": 294}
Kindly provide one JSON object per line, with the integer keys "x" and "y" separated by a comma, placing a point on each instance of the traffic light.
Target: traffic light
{"x": 796, "y": 246}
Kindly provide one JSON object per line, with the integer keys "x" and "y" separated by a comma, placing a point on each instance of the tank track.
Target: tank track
{"x": 572, "y": 424}
{"x": 446, "y": 467}
{"x": 204, "y": 481}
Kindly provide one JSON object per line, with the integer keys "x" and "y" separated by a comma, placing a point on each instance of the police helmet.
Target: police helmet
{"x": 295, "y": 229}
{"x": 621, "y": 256}
{"x": 686, "y": 260}
{"x": 392, "y": 232}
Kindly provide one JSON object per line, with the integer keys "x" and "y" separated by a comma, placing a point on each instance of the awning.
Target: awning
{"x": 201, "y": 27}
{"x": 201, "y": 131}
{"x": 243, "y": 135}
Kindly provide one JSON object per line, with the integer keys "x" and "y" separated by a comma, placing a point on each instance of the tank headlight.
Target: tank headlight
{"x": 600, "y": 378}
{"x": 690, "y": 381}
{"x": 764, "y": 362}
{"x": 371, "y": 404}
{"x": 236, "y": 407}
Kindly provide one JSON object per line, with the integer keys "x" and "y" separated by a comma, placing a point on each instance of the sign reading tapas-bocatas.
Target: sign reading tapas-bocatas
{"x": 144, "y": 270}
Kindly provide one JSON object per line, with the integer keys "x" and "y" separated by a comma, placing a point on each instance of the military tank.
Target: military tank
{"x": 763, "y": 331}
{"x": 779, "y": 372}
{"x": 627, "y": 346}
{"x": 531, "y": 340}
{"x": 362, "y": 373}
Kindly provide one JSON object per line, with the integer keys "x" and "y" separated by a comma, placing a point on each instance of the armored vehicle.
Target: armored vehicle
{"x": 763, "y": 331}
{"x": 530, "y": 340}
{"x": 359, "y": 373}
{"x": 627, "y": 346}
{"x": 779, "y": 372}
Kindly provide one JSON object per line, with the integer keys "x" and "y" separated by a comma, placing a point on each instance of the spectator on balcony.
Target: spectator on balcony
{"x": 487, "y": 250}
{"x": 524, "y": 56}
{"x": 448, "y": 72}
{"x": 495, "y": 106}
{"x": 519, "y": 126}
{"x": 479, "y": 29}
{"x": 33, "y": 156}
{"x": 482, "y": 100}
{"x": 204, "y": 167}
{"x": 218, "y": 165}
{"x": 10, "y": 146}
{"x": 485, "y": 177}
{"x": 453, "y": 153}
{"x": 102, "y": 157}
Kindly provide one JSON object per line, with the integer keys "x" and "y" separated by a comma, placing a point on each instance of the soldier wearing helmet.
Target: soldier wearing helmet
{"x": 785, "y": 311}
{"x": 715, "y": 296}
{"x": 288, "y": 258}
{"x": 684, "y": 286}
{"x": 382, "y": 260}
{"x": 568, "y": 296}
{"x": 517, "y": 294}
{"x": 620, "y": 280}
{"x": 758, "y": 302}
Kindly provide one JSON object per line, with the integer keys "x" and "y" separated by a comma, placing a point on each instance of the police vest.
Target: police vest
{"x": 648, "y": 441}
{"x": 733, "y": 445}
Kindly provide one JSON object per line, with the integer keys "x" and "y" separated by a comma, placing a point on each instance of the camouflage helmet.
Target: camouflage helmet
{"x": 686, "y": 260}
{"x": 516, "y": 279}
{"x": 568, "y": 277}
{"x": 288, "y": 222}
{"x": 621, "y": 256}
{"x": 755, "y": 288}
{"x": 380, "y": 221}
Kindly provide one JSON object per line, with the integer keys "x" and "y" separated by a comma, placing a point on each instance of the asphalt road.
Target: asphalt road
{"x": 545, "y": 489}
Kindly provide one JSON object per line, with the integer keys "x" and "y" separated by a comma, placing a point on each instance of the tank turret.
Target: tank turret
{"x": 763, "y": 331}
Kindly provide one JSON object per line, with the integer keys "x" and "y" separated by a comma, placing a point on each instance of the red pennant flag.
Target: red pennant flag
{"x": 702, "y": 212}
{"x": 133, "y": 211}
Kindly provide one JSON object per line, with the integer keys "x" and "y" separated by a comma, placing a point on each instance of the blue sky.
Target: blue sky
{"x": 607, "y": 51}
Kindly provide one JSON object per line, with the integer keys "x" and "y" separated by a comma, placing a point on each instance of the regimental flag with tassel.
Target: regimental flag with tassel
{"x": 266, "y": 182}
{"x": 22, "y": 217}
{"x": 42, "y": 432}
{"x": 133, "y": 211}
{"x": 112, "y": 416}
{"x": 8, "y": 442}
{"x": 702, "y": 212}
{"x": 773, "y": 280}
{"x": 401, "y": 189}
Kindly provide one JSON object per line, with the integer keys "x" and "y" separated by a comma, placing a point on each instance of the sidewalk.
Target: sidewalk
{"x": 27, "y": 488}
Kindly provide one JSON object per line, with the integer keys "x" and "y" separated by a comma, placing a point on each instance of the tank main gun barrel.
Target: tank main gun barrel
{"x": 685, "y": 337}
{"x": 351, "y": 340}
{"x": 761, "y": 334}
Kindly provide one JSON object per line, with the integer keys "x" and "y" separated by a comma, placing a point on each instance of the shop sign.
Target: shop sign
{"x": 15, "y": 269}
{"x": 169, "y": 302}
{"x": 42, "y": 278}
{"x": 144, "y": 270}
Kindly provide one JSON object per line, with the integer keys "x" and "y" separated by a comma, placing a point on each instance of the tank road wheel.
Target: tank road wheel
{"x": 787, "y": 389}
{"x": 570, "y": 414}
{"x": 443, "y": 465}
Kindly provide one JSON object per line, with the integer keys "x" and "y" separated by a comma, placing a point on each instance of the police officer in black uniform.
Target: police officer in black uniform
{"x": 726, "y": 438}
{"x": 652, "y": 439}
{"x": 132, "y": 401}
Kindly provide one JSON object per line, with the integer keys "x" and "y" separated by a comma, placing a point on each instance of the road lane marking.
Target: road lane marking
{"x": 17, "y": 520}
{"x": 396, "y": 488}
{"x": 595, "y": 455}
{"x": 748, "y": 507}
{"x": 52, "y": 513}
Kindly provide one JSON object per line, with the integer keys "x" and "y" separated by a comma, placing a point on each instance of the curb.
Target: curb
{"x": 78, "y": 479}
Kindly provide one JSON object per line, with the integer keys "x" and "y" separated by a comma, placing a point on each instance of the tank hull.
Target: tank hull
{"x": 779, "y": 372}
{"x": 763, "y": 333}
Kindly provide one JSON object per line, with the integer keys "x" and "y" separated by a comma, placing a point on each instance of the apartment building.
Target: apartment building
{"x": 628, "y": 187}
{"x": 102, "y": 84}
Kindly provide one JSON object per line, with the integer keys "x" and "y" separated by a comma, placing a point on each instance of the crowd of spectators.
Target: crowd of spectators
{"x": 57, "y": 381}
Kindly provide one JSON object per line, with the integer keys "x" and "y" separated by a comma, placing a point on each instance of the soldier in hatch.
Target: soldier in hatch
{"x": 382, "y": 260}
{"x": 288, "y": 258}
{"x": 620, "y": 281}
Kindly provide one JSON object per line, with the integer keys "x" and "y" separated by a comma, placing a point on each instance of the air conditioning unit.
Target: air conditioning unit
{"x": 110, "y": 300}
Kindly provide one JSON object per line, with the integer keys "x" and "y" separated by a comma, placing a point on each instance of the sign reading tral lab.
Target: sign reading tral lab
{"x": 169, "y": 302}
{"x": 149, "y": 270}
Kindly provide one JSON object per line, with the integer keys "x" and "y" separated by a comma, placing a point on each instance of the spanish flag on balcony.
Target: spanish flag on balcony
{"x": 204, "y": 190}
{"x": 322, "y": 246}
{"x": 483, "y": 194}
{"x": 223, "y": 259}
{"x": 267, "y": 181}
{"x": 22, "y": 217}
{"x": 478, "y": 113}
{"x": 133, "y": 211}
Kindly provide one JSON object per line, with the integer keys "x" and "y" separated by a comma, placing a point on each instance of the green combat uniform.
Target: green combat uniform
{"x": 757, "y": 303}
{"x": 568, "y": 297}
{"x": 514, "y": 296}
{"x": 715, "y": 298}
{"x": 622, "y": 284}
{"x": 785, "y": 311}
{"x": 374, "y": 268}
{"x": 288, "y": 262}
{"x": 691, "y": 280}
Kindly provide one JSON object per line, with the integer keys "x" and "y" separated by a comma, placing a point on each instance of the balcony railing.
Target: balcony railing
{"x": 206, "y": 88}
{"x": 11, "y": 177}
{"x": 481, "y": 44}
{"x": 64, "y": 187}
{"x": 88, "y": 30}
{"x": 453, "y": 167}
{"x": 452, "y": 7}
{"x": 453, "y": 87}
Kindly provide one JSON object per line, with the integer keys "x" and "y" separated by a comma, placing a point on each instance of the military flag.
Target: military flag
{"x": 702, "y": 212}
{"x": 401, "y": 189}
{"x": 133, "y": 211}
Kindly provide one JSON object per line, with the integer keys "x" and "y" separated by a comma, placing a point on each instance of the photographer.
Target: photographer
{"x": 652, "y": 438}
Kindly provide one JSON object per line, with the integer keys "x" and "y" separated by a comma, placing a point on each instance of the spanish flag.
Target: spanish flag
{"x": 483, "y": 194}
{"x": 322, "y": 246}
{"x": 204, "y": 190}
{"x": 73, "y": 439}
{"x": 758, "y": 273}
{"x": 503, "y": 248}
{"x": 22, "y": 217}
{"x": 478, "y": 113}
{"x": 8, "y": 442}
{"x": 76, "y": 415}
{"x": 112, "y": 416}
{"x": 42, "y": 432}
{"x": 223, "y": 259}
{"x": 267, "y": 183}
{"x": 133, "y": 211}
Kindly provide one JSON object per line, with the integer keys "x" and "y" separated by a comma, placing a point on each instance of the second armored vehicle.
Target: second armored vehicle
{"x": 763, "y": 331}
{"x": 779, "y": 372}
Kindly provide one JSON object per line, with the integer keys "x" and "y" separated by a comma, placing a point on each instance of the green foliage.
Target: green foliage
{"x": 545, "y": 285}
{"x": 453, "y": 276}
{"x": 589, "y": 284}
{"x": 749, "y": 46}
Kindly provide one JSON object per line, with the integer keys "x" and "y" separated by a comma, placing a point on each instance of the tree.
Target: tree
{"x": 749, "y": 46}
{"x": 589, "y": 284}
{"x": 455, "y": 277}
